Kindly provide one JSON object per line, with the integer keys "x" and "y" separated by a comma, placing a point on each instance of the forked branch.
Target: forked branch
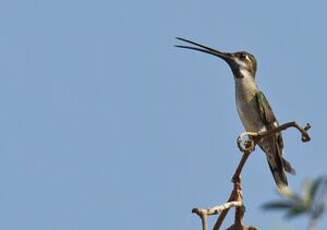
{"x": 236, "y": 199}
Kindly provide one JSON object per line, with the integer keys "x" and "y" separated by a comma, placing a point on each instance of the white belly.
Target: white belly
{"x": 249, "y": 115}
{"x": 247, "y": 108}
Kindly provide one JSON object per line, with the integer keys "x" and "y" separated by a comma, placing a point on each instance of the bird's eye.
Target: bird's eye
{"x": 242, "y": 56}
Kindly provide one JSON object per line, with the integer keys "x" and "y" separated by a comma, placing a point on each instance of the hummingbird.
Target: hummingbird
{"x": 253, "y": 108}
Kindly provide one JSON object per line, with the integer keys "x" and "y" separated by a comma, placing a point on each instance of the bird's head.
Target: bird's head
{"x": 241, "y": 63}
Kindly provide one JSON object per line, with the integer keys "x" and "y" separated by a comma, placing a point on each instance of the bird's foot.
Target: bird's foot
{"x": 245, "y": 142}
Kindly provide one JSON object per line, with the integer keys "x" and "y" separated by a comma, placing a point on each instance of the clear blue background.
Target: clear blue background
{"x": 105, "y": 125}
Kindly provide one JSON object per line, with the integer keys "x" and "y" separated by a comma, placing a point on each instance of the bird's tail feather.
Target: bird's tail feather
{"x": 277, "y": 170}
{"x": 288, "y": 167}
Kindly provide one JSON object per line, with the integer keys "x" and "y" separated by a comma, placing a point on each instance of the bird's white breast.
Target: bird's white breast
{"x": 247, "y": 108}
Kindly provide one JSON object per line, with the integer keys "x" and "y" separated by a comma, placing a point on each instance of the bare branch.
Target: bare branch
{"x": 203, "y": 213}
{"x": 236, "y": 199}
{"x": 217, "y": 209}
{"x": 223, "y": 214}
{"x": 236, "y": 195}
{"x": 237, "y": 174}
{"x": 305, "y": 135}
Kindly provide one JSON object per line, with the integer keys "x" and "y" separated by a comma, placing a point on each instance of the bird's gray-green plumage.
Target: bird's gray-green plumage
{"x": 253, "y": 107}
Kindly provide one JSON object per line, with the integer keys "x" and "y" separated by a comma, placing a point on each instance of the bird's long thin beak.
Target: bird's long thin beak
{"x": 225, "y": 56}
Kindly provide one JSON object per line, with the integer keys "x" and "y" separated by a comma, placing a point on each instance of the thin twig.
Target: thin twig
{"x": 203, "y": 213}
{"x": 305, "y": 135}
{"x": 223, "y": 213}
{"x": 217, "y": 209}
{"x": 236, "y": 176}
{"x": 236, "y": 193}
{"x": 204, "y": 221}
{"x": 239, "y": 211}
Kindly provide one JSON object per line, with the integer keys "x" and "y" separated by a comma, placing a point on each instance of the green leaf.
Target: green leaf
{"x": 274, "y": 205}
{"x": 298, "y": 210}
{"x": 314, "y": 187}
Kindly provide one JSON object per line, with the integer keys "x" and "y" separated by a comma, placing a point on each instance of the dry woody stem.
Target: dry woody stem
{"x": 235, "y": 199}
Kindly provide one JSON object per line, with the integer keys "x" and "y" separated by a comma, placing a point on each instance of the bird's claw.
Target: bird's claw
{"x": 245, "y": 142}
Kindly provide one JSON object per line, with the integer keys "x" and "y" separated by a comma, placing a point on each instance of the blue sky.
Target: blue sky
{"x": 105, "y": 125}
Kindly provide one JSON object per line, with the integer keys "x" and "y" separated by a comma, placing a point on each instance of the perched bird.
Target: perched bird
{"x": 252, "y": 107}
